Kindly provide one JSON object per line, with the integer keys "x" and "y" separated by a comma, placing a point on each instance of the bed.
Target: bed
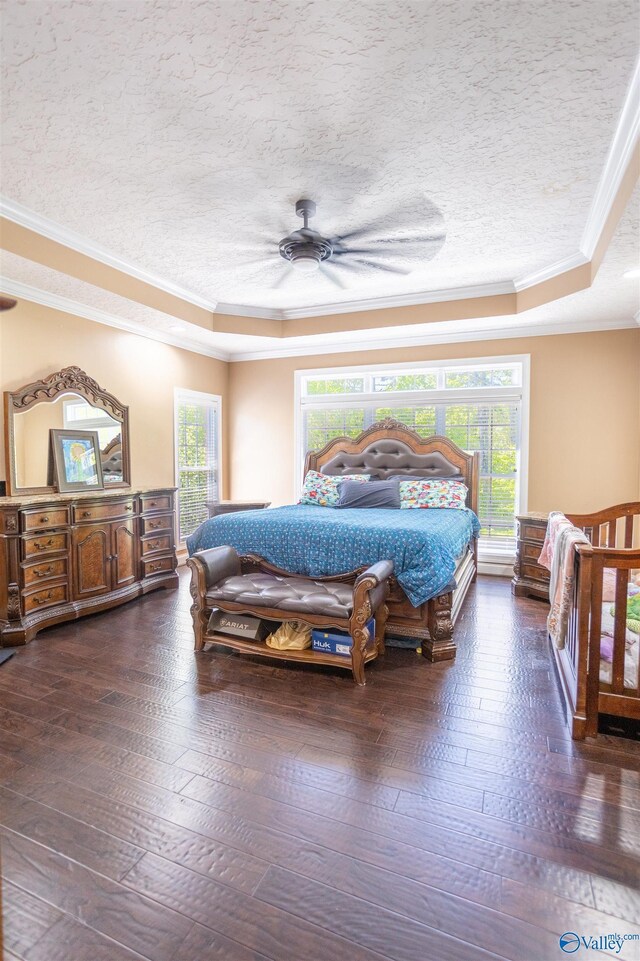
{"x": 598, "y": 662}
{"x": 434, "y": 551}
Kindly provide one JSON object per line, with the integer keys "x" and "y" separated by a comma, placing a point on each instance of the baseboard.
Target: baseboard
{"x": 495, "y": 568}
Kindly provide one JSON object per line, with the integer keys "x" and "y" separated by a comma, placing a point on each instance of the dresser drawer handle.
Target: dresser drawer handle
{"x": 154, "y": 567}
{"x": 44, "y": 520}
{"x": 129, "y": 507}
{"x": 154, "y": 545}
{"x": 41, "y": 573}
{"x": 43, "y": 600}
{"x": 152, "y": 504}
{"x": 42, "y": 547}
{"x": 86, "y": 514}
{"x": 153, "y": 527}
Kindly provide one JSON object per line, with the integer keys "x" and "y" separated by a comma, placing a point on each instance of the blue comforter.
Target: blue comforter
{"x": 424, "y": 545}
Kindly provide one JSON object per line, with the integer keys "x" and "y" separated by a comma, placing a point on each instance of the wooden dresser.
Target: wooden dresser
{"x": 66, "y": 555}
{"x": 530, "y": 579}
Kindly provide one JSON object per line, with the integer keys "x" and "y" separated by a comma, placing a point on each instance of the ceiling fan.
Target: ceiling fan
{"x": 307, "y": 250}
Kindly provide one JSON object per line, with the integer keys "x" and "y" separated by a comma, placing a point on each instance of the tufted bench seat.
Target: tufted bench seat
{"x": 222, "y": 579}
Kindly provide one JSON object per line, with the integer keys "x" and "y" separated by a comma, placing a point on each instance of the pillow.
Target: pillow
{"x": 433, "y": 493}
{"x": 376, "y": 494}
{"x": 323, "y": 490}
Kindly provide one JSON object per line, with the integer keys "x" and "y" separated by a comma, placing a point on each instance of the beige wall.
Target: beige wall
{"x": 142, "y": 373}
{"x": 584, "y": 442}
{"x": 584, "y": 436}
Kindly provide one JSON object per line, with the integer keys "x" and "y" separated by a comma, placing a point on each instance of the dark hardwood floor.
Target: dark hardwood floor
{"x": 162, "y": 805}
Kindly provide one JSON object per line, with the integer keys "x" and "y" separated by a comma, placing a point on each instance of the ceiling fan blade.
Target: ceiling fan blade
{"x": 386, "y": 267}
{"x": 380, "y": 250}
{"x": 421, "y": 234}
{"x": 266, "y": 262}
{"x": 328, "y": 271}
{"x": 286, "y": 274}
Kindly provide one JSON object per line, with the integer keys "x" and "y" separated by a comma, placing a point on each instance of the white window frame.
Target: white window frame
{"x": 180, "y": 395}
{"x": 521, "y": 393}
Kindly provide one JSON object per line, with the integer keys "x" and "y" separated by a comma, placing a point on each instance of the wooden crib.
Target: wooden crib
{"x": 614, "y": 536}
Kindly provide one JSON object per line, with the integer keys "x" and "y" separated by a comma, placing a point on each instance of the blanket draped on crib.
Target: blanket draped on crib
{"x": 558, "y": 557}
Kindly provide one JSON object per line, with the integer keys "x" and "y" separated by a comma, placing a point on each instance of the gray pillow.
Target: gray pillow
{"x": 381, "y": 494}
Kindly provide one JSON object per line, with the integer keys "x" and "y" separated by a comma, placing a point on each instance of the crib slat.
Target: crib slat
{"x": 595, "y": 629}
{"x": 611, "y": 533}
{"x": 619, "y": 630}
{"x": 595, "y": 537}
{"x": 628, "y": 531}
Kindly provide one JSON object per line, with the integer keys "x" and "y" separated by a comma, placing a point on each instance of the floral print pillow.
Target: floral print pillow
{"x": 323, "y": 490}
{"x": 433, "y": 493}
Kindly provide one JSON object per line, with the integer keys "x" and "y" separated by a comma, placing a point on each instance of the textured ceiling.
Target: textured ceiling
{"x": 179, "y": 135}
{"x": 612, "y": 301}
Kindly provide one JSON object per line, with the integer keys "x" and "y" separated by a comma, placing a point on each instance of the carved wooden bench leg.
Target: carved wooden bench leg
{"x": 439, "y": 645}
{"x": 382, "y": 615}
{"x": 199, "y": 613}
{"x": 360, "y": 638}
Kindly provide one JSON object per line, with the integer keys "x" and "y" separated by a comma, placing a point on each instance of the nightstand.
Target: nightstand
{"x": 530, "y": 579}
{"x": 230, "y": 507}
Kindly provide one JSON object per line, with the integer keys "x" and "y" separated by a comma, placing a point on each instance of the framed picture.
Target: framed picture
{"x": 76, "y": 460}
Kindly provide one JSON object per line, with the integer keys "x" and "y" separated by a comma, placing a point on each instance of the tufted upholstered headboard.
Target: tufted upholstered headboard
{"x": 389, "y": 448}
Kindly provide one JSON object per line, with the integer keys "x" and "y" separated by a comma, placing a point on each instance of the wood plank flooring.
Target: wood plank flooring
{"x": 157, "y": 804}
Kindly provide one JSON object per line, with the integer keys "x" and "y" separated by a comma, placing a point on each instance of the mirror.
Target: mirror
{"x": 68, "y": 399}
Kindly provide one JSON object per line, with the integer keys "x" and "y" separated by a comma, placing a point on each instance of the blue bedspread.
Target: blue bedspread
{"x": 424, "y": 545}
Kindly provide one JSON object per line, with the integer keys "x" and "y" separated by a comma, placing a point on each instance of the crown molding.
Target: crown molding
{"x": 444, "y": 335}
{"x": 553, "y": 270}
{"x": 35, "y": 295}
{"x": 372, "y": 303}
{"x": 402, "y": 300}
{"x": 20, "y": 215}
{"x": 260, "y": 313}
{"x": 439, "y": 333}
{"x": 618, "y": 159}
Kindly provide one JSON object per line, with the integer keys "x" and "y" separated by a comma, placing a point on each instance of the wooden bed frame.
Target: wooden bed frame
{"x": 431, "y": 623}
{"x": 615, "y": 544}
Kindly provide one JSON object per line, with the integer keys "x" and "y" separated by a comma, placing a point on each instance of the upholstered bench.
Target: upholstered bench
{"x": 222, "y": 579}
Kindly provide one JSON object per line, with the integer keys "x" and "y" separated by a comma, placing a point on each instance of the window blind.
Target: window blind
{"x": 196, "y": 459}
{"x": 477, "y": 407}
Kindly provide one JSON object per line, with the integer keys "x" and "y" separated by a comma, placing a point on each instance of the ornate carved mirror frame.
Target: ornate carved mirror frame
{"x": 69, "y": 380}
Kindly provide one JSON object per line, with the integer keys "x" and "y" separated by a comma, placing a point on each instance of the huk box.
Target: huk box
{"x": 335, "y": 642}
{"x": 239, "y": 625}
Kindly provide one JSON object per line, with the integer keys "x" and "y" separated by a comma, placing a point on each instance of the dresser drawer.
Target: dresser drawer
{"x": 161, "y": 565}
{"x": 38, "y": 572}
{"x": 38, "y": 544}
{"x": 531, "y": 552}
{"x": 45, "y": 519}
{"x": 89, "y": 513}
{"x": 155, "y": 523}
{"x": 534, "y": 573}
{"x": 163, "y": 542}
{"x": 156, "y": 502}
{"x": 532, "y": 532}
{"x": 47, "y": 597}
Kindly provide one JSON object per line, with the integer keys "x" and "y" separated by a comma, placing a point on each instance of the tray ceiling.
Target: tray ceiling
{"x": 178, "y": 136}
{"x": 612, "y": 302}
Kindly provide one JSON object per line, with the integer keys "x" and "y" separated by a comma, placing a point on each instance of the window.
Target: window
{"x": 480, "y": 405}
{"x": 79, "y": 414}
{"x": 197, "y": 439}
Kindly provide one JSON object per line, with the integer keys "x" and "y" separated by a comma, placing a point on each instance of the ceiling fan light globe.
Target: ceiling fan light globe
{"x": 305, "y": 263}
